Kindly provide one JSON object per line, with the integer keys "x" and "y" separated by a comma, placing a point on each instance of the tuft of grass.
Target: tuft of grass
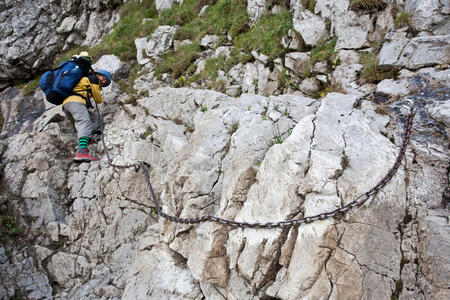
{"x": 234, "y": 128}
{"x": 121, "y": 40}
{"x": 177, "y": 62}
{"x": 30, "y": 87}
{"x": 370, "y": 71}
{"x": 309, "y": 4}
{"x": 265, "y": 35}
{"x": 403, "y": 19}
{"x": 324, "y": 51}
{"x": 367, "y": 4}
{"x": 213, "y": 65}
{"x": 203, "y": 108}
{"x": 278, "y": 137}
{"x": 147, "y": 133}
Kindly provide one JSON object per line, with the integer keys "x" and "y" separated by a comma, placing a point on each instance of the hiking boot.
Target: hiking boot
{"x": 82, "y": 155}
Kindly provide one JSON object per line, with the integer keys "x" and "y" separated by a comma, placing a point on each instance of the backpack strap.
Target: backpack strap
{"x": 87, "y": 99}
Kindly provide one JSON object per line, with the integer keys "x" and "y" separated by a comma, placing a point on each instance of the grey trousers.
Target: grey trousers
{"x": 85, "y": 121}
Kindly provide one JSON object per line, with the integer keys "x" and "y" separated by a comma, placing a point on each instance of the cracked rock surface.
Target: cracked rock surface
{"x": 32, "y": 32}
{"x": 90, "y": 231}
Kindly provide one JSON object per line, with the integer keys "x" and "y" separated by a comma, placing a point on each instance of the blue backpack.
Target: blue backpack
{"x": 58, "y": 83}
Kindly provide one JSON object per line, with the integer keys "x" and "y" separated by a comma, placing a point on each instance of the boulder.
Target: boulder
{"x": 309, "y": 86}
{"x": 428, "y": 15}
{"x": 209, "y": 41}
{"x": 159, "y": 43}
{"x": 311, "y": 27}
{"x": 298, "y": 62}
{"x": 425, "y": 51}
{"x": 351, "y": 30}
{"x": 391, "y": 87}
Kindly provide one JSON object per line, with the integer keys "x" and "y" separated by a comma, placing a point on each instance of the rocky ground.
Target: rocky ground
{"x": 90, "y": 231}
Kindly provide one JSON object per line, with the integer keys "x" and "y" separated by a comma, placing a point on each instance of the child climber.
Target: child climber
{"x": 77, "y": 105}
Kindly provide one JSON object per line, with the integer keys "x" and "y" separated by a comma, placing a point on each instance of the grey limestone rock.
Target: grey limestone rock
{"x": 33, "y": 32}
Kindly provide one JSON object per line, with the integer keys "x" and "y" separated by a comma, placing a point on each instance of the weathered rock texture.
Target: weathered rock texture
{"x": 33, "y": 32}
{"x": 92, "y": 232}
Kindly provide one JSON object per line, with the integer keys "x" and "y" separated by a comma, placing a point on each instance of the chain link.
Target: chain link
{"x": 285, "y": 223}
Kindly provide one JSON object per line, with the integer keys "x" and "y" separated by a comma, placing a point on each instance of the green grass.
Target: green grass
{"x": 403, "y": 19}
{"x": 177, "y": 62}
{"x": 222, "y": 17}
{"x": 324, "y": 51}
{"x": 265, "y": 35}
{"x": 225, "y": 17}
{"x": 147, "y": 133}
{"x": 120, "y": 41}
{"x": 371, "y": 73}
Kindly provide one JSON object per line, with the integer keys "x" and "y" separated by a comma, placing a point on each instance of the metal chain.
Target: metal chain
{"x": 110, "y": 161}
{"x": 359, "y": 201}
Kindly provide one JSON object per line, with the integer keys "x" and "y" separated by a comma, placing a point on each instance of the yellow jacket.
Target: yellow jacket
{"x": 86, "y": 89}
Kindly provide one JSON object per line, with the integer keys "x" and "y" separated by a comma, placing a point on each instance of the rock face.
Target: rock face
{"x": 33, "y": 32}
{"x": 90, "y": 231}
{"x": 249, "y": 159}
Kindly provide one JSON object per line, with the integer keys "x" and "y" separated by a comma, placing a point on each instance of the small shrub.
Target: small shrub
{"x": 345, "y": 162}
{"x": 370, "y": 71}
{"x": 403, "y": 19}
{"x": 203, "y": 108}
{"x": 324, "y": 51}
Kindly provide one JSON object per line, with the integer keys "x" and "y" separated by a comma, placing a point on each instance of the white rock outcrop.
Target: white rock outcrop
{"x": 250, "y": 159}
